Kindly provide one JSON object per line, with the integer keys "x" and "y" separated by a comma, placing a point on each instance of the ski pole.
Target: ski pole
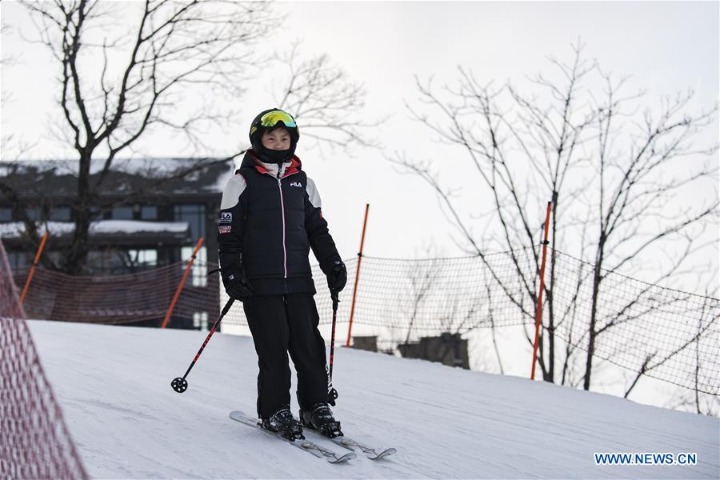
{"x": 179, "y": 384}
{"x": 332, "y": 393}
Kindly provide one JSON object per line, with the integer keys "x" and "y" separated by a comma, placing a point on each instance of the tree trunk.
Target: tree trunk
{"x": 79, "y": 247}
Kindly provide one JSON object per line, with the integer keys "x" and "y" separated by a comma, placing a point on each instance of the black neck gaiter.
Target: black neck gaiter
{"x": 275, "y": 156}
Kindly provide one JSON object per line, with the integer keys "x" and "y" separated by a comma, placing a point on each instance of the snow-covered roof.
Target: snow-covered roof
{"x": 187, "y": 176}
{"x": 102, "y": 227}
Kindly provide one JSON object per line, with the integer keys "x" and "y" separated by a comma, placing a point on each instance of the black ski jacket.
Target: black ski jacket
{"x": 269, "y": 220}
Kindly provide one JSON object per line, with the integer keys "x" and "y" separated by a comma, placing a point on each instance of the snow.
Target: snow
{"x": 113, "y": 384}
{"x": 17, "y": 229}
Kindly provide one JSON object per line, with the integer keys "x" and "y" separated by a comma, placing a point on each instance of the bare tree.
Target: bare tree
{"x": 331, "y": 118}
{"x": 116, "y": 86}
{"x": 698, "y": 399}
{"x": 612, "y": 171}
{"x": 119, "y": 85}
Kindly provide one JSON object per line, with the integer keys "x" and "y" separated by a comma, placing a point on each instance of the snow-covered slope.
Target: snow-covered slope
{"x": 114, "y": 386}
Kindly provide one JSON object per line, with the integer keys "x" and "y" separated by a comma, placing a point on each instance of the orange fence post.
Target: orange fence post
{"x": 357, "y": 276}
{"x": 538, "y": 311}
{"x": 181, "y": 285}
{"x": 32, "y": 268}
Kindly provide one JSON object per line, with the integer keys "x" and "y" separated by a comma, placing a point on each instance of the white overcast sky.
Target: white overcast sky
{"x": 664, "y": 47}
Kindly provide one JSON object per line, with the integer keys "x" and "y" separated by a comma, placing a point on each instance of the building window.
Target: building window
{"x": 100, "y": 261}
{"x": 18, "y": 260}
{"x": 200, "y": 320}
{"x": 122, "y": 213}
{"x": 34, "y": 213}
{"x": 121, "y": 261}
{"x": 60, "y": 214}
{"x": 149, "y": 212}
{"x": 199, "y": 268}
{"x": 194, "y": 214}
{"x": 142, "y": 259}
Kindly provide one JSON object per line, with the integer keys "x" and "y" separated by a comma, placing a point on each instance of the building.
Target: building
{"x": 448, "y": 348}
{"x": 148, "y": 213}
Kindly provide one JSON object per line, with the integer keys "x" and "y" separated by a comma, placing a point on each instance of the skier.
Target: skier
{"x": 269, "y": 219}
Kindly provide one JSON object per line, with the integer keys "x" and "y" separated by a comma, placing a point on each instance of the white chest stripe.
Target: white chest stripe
{"x": 231, "y": 194}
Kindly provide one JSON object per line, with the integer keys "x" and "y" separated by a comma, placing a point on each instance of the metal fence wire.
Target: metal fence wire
{"x": 666, "y": 334}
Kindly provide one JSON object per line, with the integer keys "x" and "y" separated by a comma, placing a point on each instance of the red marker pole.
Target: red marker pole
{"x": 538, "y": 310}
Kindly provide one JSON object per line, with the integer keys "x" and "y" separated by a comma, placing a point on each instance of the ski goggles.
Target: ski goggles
{"x": 272, "y": 118}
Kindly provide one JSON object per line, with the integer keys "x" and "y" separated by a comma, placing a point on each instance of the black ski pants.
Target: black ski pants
{"x": 280, "y": 324}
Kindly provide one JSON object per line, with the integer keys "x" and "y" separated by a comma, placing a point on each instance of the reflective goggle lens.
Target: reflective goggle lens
{"x": 271, "y": 119}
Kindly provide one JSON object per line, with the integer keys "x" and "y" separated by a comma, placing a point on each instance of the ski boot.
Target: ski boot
{"x": 319, "y": 417}
{"x": 283, "y": 423}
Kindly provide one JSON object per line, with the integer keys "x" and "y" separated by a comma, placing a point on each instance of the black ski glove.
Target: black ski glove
{"x": 337, "y": 277}
{"x": 235, "y": 282}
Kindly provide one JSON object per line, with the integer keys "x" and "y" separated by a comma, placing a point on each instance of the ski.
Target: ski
{"x": 304, "y": 444}
{"x": 350, "y": 444}
{"x": 371, "y": 453}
